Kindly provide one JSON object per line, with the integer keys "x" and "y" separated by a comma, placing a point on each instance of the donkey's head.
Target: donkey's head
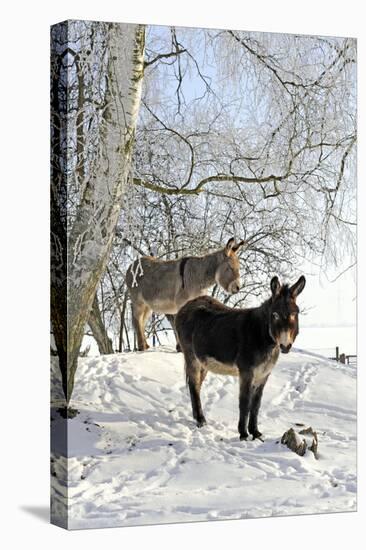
{"x": 227, "y": 274}
{"x": 283, "y": 322}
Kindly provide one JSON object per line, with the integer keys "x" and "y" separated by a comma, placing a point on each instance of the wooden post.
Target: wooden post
{"x": 342, "y": 358}
{"x": 337, "y": 353}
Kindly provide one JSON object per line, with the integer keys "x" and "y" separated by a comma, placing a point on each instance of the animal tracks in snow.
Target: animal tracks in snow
{"x": 295, "y": 389}
{"x": 136, "y": 456}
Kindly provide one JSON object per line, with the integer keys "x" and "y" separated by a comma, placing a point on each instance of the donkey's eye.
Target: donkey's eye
{"x": 275, "y": 316}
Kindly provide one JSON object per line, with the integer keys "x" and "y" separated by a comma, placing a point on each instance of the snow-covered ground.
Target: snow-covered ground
{"x": 136, "y": 456}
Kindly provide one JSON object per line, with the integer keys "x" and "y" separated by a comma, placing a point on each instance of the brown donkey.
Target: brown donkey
{"x": 165, "y": 286}
{"x": 239, "y": 342}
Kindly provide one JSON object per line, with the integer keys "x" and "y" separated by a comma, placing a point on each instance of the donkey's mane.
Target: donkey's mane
{"x": 285, "y": 290}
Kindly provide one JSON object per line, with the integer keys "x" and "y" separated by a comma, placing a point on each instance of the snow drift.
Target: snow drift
{"x": 136, "y": 456}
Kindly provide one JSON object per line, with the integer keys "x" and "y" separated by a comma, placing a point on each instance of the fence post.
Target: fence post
{"x": 337, "y": 353}
{"x": 342, "y": 358}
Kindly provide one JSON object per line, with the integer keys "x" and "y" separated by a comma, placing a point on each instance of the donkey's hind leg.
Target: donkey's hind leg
{"x": 140, "y": 313}
{"x": 195, "y": 375}
{"x": 171, "y": 319}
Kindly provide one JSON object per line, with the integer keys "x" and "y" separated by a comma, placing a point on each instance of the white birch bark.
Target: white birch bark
{"x": 92, "y": 232}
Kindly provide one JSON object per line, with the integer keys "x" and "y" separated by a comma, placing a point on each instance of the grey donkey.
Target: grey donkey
{"x": 165, "y": 286}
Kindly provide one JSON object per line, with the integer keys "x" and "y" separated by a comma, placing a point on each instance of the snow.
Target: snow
{"x": 136, "y": 456}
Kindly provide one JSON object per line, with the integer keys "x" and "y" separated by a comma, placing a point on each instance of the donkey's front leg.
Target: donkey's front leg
{"x": 245, "y": 398}
{"x": 140, "y": 313}
{"x": 254, "y": 410}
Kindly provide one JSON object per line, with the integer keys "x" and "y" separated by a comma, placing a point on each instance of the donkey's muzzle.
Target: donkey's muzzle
{"x": 234, "y": 288}
{"x": 285, "y": 349}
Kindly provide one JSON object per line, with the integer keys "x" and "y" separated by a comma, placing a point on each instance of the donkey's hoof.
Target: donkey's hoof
{"x": 244, "y": 436}
{"x": 201, "y": 422}
{"x": 257, "y": 435}
{"x": 144, "y": 347}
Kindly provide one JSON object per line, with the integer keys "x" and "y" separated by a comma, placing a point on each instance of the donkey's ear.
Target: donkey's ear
{"x": 236, "y": 247}
{"x": 275, "y": 286}
{"x": 229, "y": 245}
{"x": 298, "y": 287}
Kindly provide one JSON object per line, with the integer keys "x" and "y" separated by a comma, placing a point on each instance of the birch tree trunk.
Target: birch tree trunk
{"x": 90, "y": 236}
